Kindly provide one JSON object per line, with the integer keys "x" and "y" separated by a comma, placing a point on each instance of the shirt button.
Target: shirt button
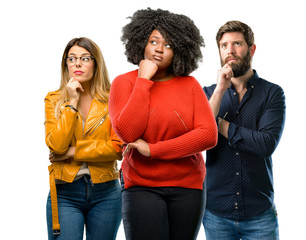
{"x": 237, "y": 153}
{"x": 237, "y": 173}
{"x": 237, "y": 112}
{"x": 237, "y": 193}
{"x": 235, "y": 93}
{"x": 252, "y": 86}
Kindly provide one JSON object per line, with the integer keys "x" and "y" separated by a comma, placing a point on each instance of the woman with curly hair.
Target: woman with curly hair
{"x": 163, "y": 116}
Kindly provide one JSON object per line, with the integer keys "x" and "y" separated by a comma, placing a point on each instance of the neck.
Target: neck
{"x": 86, "y": 95}
{"x": 241, "y": 82}
{"x": 86, "y": 86}
{"x": 162, "y": 76}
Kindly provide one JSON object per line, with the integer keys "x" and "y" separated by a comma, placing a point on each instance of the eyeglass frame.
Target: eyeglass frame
{"x": 76, "y": 60}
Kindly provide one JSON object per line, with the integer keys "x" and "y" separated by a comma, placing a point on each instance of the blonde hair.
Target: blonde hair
{"x": 100, "y": 84}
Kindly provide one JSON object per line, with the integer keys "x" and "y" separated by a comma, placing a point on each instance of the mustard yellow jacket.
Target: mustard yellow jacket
{"x": 98, "y": 145}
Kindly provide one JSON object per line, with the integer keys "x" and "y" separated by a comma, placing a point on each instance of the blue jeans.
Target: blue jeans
{"x": 262, "y": 227}
{"x": 80, "y": 203}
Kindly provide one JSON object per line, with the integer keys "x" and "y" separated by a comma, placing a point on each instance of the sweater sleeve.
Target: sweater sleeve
{"x": 202, "y": 137}
{"x": 129, "y": 106}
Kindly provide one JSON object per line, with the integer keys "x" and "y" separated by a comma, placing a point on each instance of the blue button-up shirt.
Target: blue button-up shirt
{"x": 239, "y": 169}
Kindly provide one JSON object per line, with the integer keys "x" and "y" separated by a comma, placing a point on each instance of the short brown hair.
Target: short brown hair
{"x": 236, "y": 26}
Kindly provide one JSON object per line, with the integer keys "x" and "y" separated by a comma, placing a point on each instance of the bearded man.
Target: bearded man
{"x": 250, "y": 113}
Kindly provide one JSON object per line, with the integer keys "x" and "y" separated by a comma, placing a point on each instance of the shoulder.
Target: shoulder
{"x": 189, "y": 80}
{"x": 271, "y": 92}
{"x": 269, "y": 87}
{"x": 270, "y": 84}
{"x": 264, "y": 84}
{"x": 209, "y": 89}
{"x": 53, "y": 96}
{"x": 129, "y": 76}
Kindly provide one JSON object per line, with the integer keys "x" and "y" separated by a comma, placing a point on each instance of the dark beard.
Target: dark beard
{"x": 241, "y": 68}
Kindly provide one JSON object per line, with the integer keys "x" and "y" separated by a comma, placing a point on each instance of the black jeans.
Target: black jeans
{"x": 162, "y": 213}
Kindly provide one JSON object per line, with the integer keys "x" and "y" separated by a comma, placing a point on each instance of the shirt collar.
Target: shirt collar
{"x": 251, "y": 83}
{"x": 253, "y": 80}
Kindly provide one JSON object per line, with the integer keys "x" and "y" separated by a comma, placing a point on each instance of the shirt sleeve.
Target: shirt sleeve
{"x": 263, "y": 141}
{"x": 202, "y": 137}
{"x": 129, "y": 107}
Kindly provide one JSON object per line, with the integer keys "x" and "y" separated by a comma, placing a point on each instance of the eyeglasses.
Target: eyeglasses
{"x": 85, "y": 60}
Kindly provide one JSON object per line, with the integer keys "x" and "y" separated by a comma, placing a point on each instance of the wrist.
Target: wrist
{"x": 73, "y": 102}
{"x": 219, "y": 90}
{"x": 72, "y": 107}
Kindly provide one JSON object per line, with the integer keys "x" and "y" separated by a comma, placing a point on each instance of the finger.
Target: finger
{"x": 77, "y": 86}
{"x": 81, "y": 87}
{"x": 228, "y": 68}
{"x": 228, "y": 73}
{"x": 226, "y": 65}
{"x": 126, "y": 150}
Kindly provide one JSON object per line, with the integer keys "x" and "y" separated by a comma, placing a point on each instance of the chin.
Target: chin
{"x": 81, "y": 79}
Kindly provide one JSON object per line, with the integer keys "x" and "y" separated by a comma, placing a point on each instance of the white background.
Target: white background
{"x": 33, "y": 37}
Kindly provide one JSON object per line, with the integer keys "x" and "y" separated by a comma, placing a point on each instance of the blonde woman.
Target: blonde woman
{"x": 84, "y": 187}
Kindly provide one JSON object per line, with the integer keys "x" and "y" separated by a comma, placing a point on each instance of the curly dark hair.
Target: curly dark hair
{"x": 179, "y": 30}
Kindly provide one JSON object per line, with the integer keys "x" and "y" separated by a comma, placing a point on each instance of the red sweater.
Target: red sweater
{"x": 174, "y": 117}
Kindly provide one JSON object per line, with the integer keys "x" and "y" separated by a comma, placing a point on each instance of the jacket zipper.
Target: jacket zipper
{"x": 100, "y": 123}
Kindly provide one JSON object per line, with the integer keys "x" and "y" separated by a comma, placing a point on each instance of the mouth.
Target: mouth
{"x": 231, "y": 59}
{"x": 78, "y": 72}
{"x": 158, "y": 57}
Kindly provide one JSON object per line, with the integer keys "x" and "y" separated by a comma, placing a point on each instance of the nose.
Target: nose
{"x": 159, "y": 48}
{"x": 230, "y": 49}
{"x": 78, "y": 62}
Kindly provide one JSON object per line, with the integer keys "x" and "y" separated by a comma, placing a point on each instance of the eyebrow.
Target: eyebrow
{"x": 83, "y": 54}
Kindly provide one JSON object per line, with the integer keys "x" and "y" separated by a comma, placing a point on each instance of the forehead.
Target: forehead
{"x": 156, "y": 34}
{"x": 232, "y": 37}
{"x": 77, "y": 50}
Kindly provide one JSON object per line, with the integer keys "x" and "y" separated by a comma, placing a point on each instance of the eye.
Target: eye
{"x": 71, "y": 59}
{"x": 223, "y": 46}
{"x": 168, "y": 46}
{"x": 153, "y": 42}
{"x": 86, "y": 59}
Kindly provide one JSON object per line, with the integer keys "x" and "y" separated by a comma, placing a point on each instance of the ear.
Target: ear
{"x": 252, "y": 49}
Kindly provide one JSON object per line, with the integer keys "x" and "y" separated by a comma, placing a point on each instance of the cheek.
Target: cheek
{"x": 70, "y": 72}
{"x": 91, "y": 72}
{"x": 170, "y": 56}
{"x": 146, "y": 52}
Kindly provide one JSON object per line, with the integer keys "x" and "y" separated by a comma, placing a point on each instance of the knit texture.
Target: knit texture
{"x": 174, "y": 117}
